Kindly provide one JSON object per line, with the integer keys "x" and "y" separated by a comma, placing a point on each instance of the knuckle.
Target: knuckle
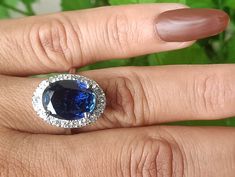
{"x": 151, "y": 157}
{"x": 211, "y": 93}
{"x": 120, "y": 32}
{"x": 48, "y": 41}
{"x": 120, "y": 101}
{"x": 126, "y": 101}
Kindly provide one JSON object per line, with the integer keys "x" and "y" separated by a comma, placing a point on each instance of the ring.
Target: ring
{"x": 69, "y": 101}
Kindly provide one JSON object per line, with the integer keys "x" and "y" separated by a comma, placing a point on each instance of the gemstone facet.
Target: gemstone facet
{"x": 69, "y": 99}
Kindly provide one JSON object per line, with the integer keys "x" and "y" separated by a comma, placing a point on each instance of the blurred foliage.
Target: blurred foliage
{"x": 217, "y": 49}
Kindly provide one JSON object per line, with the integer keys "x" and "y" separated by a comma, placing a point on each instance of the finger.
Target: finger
{"x": 140, "y": 96}
{"x": 136, "y": 96}
{"x": 16, "y": 110}
{"x": 147, "y": 151}
{"x": 61, "y": 41}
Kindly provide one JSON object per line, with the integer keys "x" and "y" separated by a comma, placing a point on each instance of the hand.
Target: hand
{"x": 126, "y": 140}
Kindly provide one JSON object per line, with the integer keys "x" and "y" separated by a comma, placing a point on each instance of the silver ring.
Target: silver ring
{"x": 69, "y": 101}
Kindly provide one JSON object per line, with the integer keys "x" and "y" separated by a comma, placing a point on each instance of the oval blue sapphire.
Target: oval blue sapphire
{"x": 69, "y": 99}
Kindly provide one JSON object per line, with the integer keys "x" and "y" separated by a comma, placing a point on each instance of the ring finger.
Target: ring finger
{"x": 136, "y": 96}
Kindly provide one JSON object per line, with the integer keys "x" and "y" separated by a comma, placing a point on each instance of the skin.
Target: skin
{"x": 127, "y": 140}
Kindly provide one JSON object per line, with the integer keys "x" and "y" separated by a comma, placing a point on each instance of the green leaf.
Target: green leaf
{"x": 191, "y": 3}
{"x": 106, "y": 64}
{"x": 139, "y": 61}
{"x": 4, "y": 13}
{"x": 28, "y": 4}
{"x": 117, "y": 2}
{"x": 77, "y": 4}
{"x": 231, "y": 50}
{"x": 101, "y": 3}
{"x": 204, "y": 123}
{"x": 200, "y": 3}
{"x": 229, "y": 3}
{"x": 153, "y": 60}
{"x": 28, "y": 1}
{"x": 146, "y": 1}
{"x": 192, "y": 55}
{"x": 12, "y": 2}
{"x": 172, "y": 1}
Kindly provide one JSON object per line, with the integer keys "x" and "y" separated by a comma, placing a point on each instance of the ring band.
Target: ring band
{"x": 69, "y": 101}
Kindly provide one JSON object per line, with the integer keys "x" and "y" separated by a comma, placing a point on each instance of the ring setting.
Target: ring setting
{"x": 69, "y": 101}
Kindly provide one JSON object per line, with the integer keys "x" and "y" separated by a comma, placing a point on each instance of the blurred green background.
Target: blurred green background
{"x": 218, "y": 49}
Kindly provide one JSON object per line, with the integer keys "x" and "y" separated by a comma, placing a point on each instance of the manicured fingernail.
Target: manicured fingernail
{"x": 190, "y": 24}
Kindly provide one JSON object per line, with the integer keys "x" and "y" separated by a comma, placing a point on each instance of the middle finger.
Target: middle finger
{"x": 136, "y": 96}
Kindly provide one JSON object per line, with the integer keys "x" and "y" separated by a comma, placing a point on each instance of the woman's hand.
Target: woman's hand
{"x": 126, "y": 140}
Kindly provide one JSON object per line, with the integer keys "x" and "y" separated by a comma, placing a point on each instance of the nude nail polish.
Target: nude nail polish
{"x": 190, "y": 24}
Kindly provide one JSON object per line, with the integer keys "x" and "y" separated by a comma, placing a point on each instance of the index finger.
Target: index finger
{"x": 58, "y": 42}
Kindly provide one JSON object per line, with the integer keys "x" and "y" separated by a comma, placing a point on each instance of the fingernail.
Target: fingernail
{"x": 190, "y": 24}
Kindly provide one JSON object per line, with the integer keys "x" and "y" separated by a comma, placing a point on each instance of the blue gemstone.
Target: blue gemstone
{"x": 69, "y": 99}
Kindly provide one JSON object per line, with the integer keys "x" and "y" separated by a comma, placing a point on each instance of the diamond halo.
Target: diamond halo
{"x": 37, "y": 102}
